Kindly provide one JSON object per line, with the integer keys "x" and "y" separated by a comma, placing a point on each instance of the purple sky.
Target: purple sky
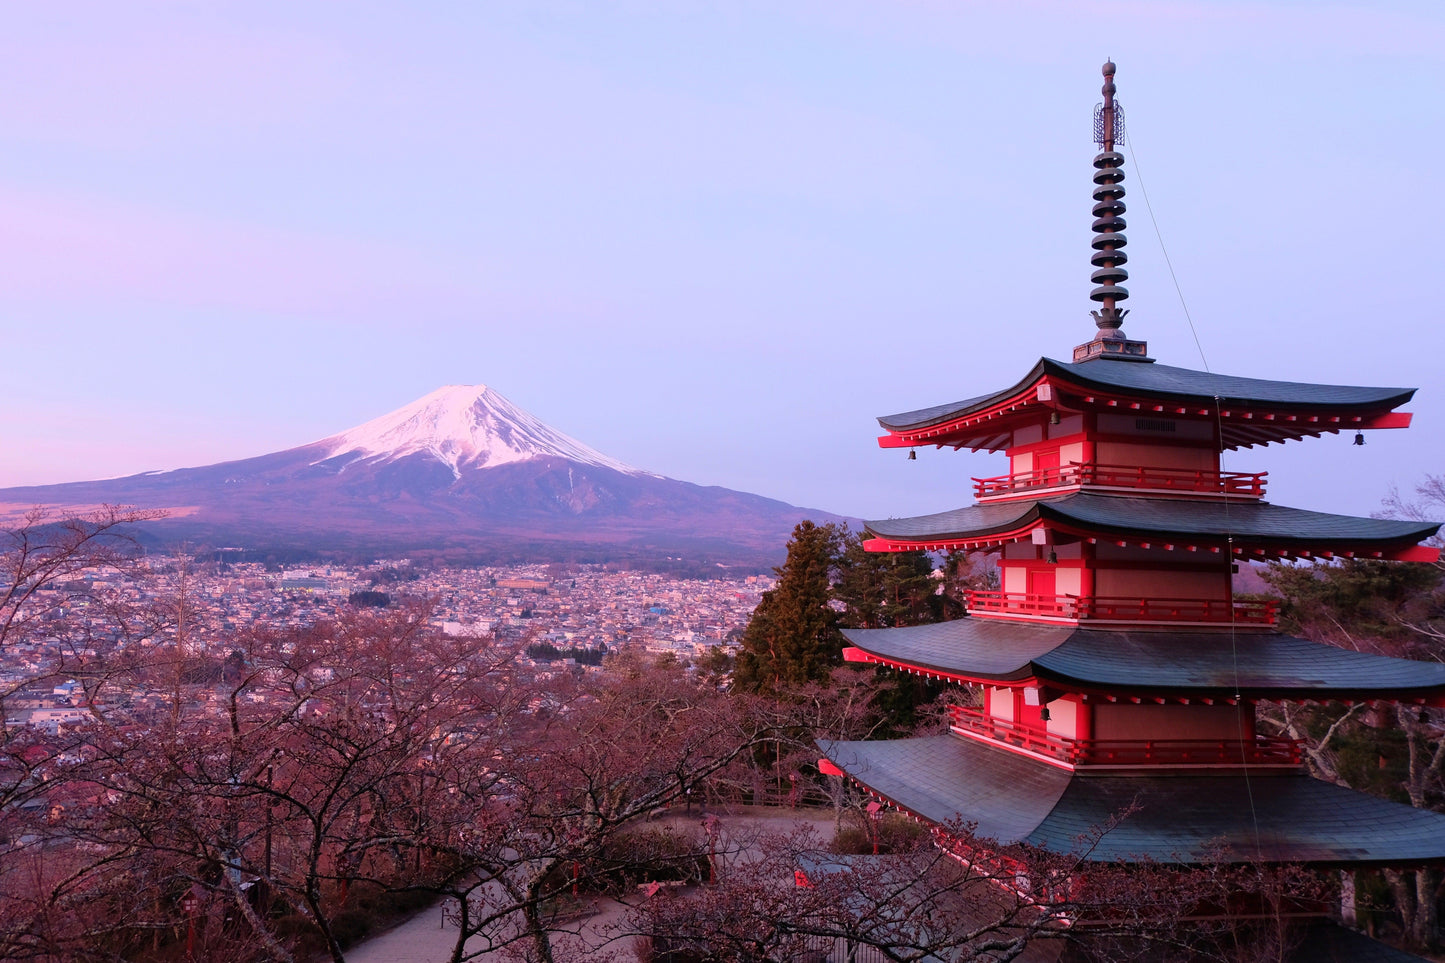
{"x": 711, "y": 240}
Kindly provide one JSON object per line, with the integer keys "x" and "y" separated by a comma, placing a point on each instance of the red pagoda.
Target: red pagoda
{"x": 1116, "y": 665}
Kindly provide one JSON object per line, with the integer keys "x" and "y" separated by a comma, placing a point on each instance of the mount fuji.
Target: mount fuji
{"x": 461, "y": 474}
{"x": 466, "y": 427}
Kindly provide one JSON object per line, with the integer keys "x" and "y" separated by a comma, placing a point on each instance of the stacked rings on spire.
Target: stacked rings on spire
{"x": 1109, "y": 225}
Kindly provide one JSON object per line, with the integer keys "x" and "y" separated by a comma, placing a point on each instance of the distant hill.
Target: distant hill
{"x": 461, "y": 474}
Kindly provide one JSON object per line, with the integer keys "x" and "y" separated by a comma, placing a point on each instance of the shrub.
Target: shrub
{"x": 302, "y": 935}
{"x": 896, "y": 834}
{"x": 654, "y": 854}
{"x": 351, "y": 926}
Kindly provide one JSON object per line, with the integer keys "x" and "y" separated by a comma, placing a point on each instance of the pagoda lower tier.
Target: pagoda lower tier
{"x": 1169, "y": 817}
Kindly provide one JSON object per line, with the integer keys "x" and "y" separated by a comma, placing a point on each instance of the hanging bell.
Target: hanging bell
{"x": 1359, "y": 437}
{"x": 913, "y": 455}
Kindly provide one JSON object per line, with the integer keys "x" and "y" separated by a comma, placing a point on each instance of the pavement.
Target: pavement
{"x": 428, "y": 938}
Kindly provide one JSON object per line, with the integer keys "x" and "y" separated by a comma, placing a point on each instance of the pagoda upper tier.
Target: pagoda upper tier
{"x": 1231, "y": 412}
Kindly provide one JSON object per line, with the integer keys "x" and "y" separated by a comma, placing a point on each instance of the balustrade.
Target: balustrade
{"x": 1073, "y": 608}
{"x": 1241, "y": 484}
{"x": 1261, "y": 751}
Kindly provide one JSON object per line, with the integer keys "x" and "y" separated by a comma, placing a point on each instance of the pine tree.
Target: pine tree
{"x": 885, "y": 589}
{"x": 792, "y": 637}
{"x": 888, "y": 590}
{"x": 859, "y": 588}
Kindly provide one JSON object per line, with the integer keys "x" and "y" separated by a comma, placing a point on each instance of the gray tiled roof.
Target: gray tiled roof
{"x": 1182, "y": 384}
{"x": 1276, "y": 818}
{"x": 943, "y": 778}
{"x": 1178, "y": 818}
{"x": 1254, "y": 664}
{"x": 983, "y": 648}
{"x": 1249, "y": 522}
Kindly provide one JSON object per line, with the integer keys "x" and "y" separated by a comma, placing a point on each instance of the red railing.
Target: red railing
{"x": 1243, "y": 484}
{"x": 1019, "y": 603}
{"x": 1262, "y": 751}
{"x": 1246, "y": 611}
{"x": 975, "y": 722}
{"x": 1240, "y": 611}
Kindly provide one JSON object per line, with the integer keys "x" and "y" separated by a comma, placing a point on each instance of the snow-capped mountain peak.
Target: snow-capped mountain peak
{"x": 464, "y": 426}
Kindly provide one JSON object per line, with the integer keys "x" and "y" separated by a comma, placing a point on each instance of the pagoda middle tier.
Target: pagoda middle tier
{"x": 1108, "y": 559}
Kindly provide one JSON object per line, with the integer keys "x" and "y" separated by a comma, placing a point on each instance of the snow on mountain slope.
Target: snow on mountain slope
{"x": 464, "y": 427}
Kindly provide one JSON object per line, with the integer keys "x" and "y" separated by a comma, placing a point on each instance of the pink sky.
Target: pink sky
{"x": 713, "y": 241}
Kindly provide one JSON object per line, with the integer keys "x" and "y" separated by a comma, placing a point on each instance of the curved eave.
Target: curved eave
{"x": 944, "y": 779}
{"x": 1250, "y": 411}
{"x": 963, "y": 650}
{"x": 977, "y": 526}
{"x": 1178, "y": 819}
{"x": 945, "y": 413}
{"x": 1175, "y": 664}
{"x": 985, "y": 422}
{"x": 1247, "y": 528}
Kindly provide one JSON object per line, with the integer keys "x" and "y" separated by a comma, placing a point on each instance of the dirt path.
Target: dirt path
{"x": 428, "y": 938}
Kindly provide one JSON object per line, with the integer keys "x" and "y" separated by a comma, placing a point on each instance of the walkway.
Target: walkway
{"x": 427, "y": 938}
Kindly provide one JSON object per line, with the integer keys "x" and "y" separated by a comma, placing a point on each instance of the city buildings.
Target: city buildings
{"x": 206, "y": 606}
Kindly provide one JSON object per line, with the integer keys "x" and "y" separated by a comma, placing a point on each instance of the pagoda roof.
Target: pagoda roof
{"x": 1175, "y": 819}
{"x": 1255, "y": 665}
{"x": 1286, "y": 409}
{"x": 1250, "y": 524}
{"x": 1164, "y": 381}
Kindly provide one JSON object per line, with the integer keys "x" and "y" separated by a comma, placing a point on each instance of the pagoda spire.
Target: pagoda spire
{"x": 1109, "y": 239}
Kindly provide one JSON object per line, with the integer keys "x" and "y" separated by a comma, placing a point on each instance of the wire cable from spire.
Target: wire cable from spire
{"x": 1144, "y": 191}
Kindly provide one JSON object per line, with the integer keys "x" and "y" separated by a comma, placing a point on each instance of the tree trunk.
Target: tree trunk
{"x": 1348, "y": 913}
{"x": 1404, "y": 899}
{"x": 537, "y": 934}
{"x": 1427, "y": 920}
{"x": 277, "y": 952}
{"x": 459, "y": 948}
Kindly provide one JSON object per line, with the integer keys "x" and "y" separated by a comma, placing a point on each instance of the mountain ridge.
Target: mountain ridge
{"x": 459, "y": 471}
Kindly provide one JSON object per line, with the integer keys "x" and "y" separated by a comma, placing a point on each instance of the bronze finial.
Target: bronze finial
{"x": 1109, "y": 239}
{"x": 1106, "y": 118}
